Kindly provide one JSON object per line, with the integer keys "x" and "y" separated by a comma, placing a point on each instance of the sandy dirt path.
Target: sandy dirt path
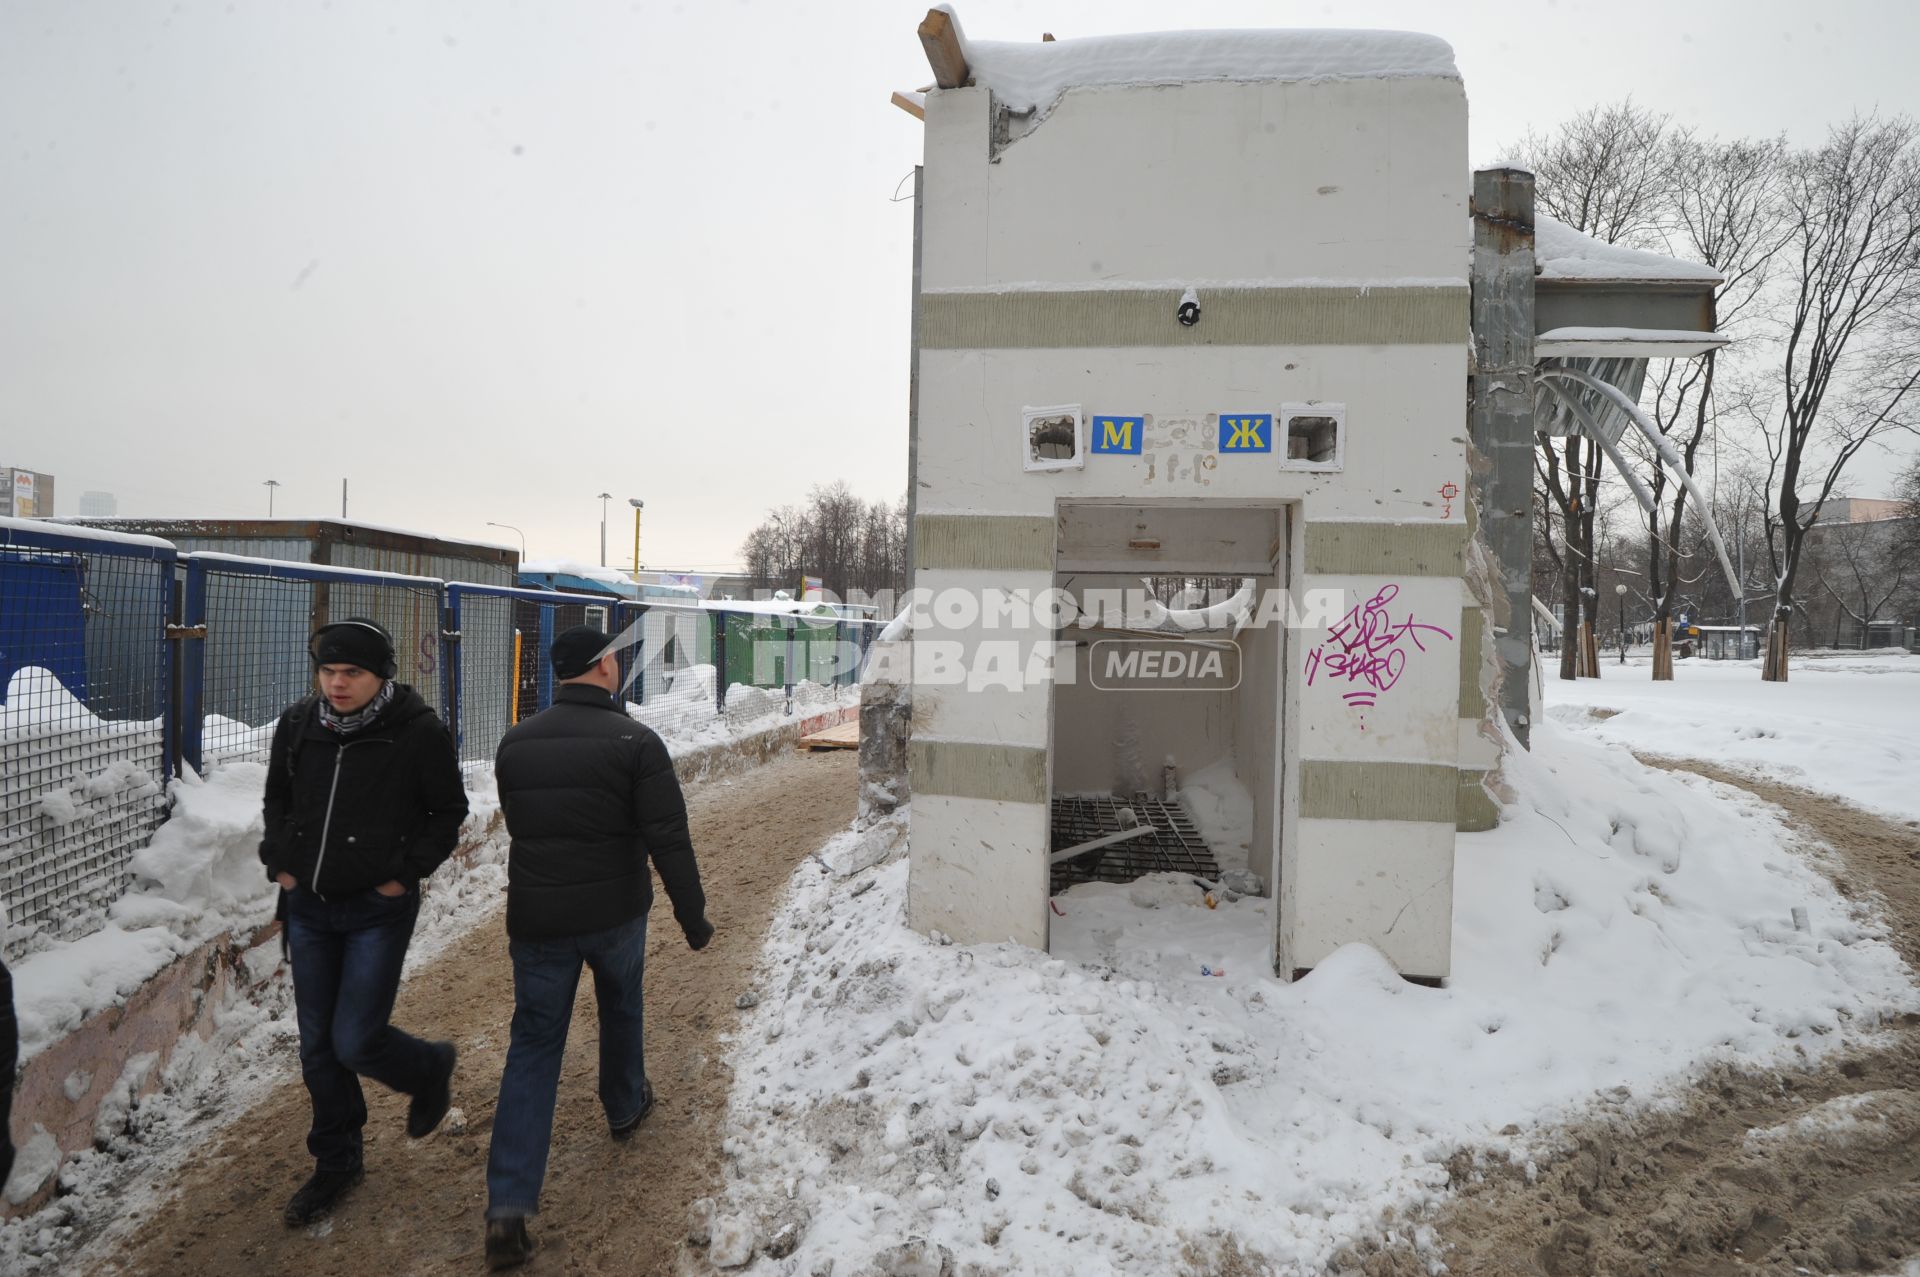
{"x": 606, "y": 1208}
{"x": 1690, "y": 1193}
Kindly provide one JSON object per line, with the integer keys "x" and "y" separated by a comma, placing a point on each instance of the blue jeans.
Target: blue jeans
{"x": 546, "y": 975}
{"x": 346, "y": 953}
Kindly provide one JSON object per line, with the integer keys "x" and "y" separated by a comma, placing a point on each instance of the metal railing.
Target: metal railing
{"x": 123, "y": 661}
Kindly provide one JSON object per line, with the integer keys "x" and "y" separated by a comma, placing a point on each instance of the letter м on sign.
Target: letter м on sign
{"x": 1119, "y": 434}
{"x": 1246, "y": 432}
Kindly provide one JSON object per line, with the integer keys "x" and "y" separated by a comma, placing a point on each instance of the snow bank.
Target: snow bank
{"x": 198, "y": 878}
{"x": 1033, "y": 75}
{"x": 1150, "y": 1086}
{"x": 1843, "y": 724}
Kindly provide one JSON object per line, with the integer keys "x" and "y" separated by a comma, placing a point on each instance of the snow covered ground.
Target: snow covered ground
{"x": 1149, "y": 1096}
{"x": 1844, "y": 723}
{"x": 200, "y": 878}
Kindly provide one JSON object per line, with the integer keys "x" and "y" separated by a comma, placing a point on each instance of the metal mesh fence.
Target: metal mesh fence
{"x": 108, "y": 680}
{"x": 253, "y": 618}
{"x": 84, "y": 729}
{"x": 503, "y": 674}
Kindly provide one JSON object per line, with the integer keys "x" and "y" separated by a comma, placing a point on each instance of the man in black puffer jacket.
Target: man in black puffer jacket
{"x": 589, "y": 796}
{"x": 364, "y": 799}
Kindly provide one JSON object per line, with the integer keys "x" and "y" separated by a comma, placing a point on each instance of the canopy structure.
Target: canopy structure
{"x": 1600, "y": 312}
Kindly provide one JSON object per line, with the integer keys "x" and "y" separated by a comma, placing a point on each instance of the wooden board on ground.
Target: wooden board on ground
{"x": 840, "y": 736}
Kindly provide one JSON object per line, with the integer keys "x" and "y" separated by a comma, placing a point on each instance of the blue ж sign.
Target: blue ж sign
{"x": 1246, "y": 432}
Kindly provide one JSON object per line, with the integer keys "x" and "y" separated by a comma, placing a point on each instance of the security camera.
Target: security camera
{"x": 1189, "y": 312}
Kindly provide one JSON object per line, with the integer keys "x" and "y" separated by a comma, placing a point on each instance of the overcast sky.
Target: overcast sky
{"x": 489, "y": 259}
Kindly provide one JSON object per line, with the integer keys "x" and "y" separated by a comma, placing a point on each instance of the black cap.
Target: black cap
{"x": 576, "y": 651}
{"x": 355, "y": 641}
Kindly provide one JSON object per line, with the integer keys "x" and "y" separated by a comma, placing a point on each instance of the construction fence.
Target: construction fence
{"x": 124, "y": 661}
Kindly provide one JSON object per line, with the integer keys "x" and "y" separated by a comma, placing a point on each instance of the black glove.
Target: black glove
{"x": 698, "y": 934}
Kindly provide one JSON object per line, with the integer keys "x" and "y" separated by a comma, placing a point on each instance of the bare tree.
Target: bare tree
{"x": 1604, "y": 173}
{"x": 1856, "y": 565}
{"x": 854, "y": 547}
{"x": 1727, "y": 212}
{"x": 1850, "y": 362}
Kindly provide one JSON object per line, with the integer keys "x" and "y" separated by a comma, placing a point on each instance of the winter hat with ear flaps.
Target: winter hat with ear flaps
{"x": 355, "y": 641}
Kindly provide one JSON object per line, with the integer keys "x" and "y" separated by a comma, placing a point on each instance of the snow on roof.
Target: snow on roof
{"x": 1560, "y": 252}
{"x": 1656, "y": 343}
{"x": 567, "y": 567}
{"x": 79, "y": 532}
{"x": 1029, "y": 76}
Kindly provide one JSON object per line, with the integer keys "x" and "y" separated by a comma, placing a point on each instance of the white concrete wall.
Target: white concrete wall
{"x": 1359, "y": 179}
{"x": 1212, "y": 184}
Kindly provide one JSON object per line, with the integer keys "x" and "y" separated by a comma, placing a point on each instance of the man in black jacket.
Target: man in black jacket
{"x": 364, "y": 799}
{"x": 589, "y": 795}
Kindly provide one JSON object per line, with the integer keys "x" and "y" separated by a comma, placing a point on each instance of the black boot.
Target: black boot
{"x": 428, "y": 1107}
{"x": 508, "y": 1244}
{"x": 318, "y": 1195}
{"x": 625, "y": 1130}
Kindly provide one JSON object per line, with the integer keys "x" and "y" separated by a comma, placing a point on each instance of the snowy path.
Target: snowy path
{"x": 608, "y": 1208}
{"x": 1768, "y": 1171}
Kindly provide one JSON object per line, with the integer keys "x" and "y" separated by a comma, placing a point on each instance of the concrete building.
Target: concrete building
{"x": 1196, "y": 308}
{"x": 29, "y": 493}
{"x": 98, "y": 505}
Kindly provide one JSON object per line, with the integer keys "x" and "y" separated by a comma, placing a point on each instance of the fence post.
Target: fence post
{"x": 193, "y": 666}
{"x": 450, "y": 665}
{"x": 169, "y": 672}
{"x": 541, "y": 663}
{"x": 793, "y": 628}
{"x": 719, "y": 662}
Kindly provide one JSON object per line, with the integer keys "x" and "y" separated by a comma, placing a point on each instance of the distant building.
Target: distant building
{"x": 29, "y": 493}
{"x": 99, "y": 505}
{"x": 1860, "y": 509}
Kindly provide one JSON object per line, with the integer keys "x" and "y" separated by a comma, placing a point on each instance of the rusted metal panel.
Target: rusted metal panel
{"x": 332, "y": 541}
{"x": 1666, "y": 306}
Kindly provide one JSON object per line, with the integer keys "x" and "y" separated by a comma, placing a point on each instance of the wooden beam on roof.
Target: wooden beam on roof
{"x": 941, "y": 39}
{"x": 910, "y": 103}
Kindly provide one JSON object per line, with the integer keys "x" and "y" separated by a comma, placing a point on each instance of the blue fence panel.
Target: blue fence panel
{"x": 250, "y": 621}
{"x": 501, "y": 655}
{"x": 85, "y": 736}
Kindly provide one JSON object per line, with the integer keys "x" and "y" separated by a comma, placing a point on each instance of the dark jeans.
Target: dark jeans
{"x": 347, "y": 952}
{"x": 546, "y": 975}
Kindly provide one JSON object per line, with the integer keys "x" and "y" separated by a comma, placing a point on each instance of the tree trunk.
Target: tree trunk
{"x": 1774, "y": 670}
{"x": 1570, "y": 602}
{"x": 1663, "y": 651}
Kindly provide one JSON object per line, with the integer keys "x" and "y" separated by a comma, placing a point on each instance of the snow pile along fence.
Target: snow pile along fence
{"x": 126, "y": 663}
{"x": 85, "y": 737}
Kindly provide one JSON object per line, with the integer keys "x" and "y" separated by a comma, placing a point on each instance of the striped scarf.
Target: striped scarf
{"x": 348, "y": 724}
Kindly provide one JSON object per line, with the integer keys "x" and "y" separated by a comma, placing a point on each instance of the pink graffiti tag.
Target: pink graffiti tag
{"x": 1367, "y": 649}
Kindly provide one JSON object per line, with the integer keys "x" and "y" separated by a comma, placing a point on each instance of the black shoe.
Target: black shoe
{"x": 432, "y": 1104}
{"x": 508, "y": 1244}
{"x": 625, "y": 1130}
{"x": 318, "y": 1195}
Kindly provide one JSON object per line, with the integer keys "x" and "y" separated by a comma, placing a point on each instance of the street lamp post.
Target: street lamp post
{"x": 517, "y": 532}
{"x": 637, "y": 505}
{"x": 270, "y": 485}
{"x": 604, "y": 498}
{"x": 1620, "y": 591}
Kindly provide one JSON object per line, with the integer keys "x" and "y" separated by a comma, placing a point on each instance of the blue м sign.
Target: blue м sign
{"x": 1119, "y": 434}
{"x": 1246, "y": 432}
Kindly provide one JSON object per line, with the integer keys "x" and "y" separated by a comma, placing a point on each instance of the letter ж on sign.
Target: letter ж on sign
{"x": 1119, "y": 434}
{"x": 1246, "y": 432}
